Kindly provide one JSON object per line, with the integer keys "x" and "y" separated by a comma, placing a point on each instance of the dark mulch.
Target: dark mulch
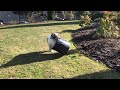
{"x": 104, "y": 50}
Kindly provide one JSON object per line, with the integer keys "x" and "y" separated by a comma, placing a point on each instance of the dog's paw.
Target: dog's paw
{"x": 52, "y": 51}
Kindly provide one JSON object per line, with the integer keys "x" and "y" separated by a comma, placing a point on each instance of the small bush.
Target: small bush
{"x": 85, "y": 21}
{"x": 107, "y": 28}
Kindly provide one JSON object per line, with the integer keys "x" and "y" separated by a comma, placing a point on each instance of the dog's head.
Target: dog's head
{"x": 54, "y": 35}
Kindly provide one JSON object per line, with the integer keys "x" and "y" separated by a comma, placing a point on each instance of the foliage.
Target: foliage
{"x": 22, "y": 12}
{"x": 77, "y": 14}
{"x": 107, "y": 27}
{"x": 27, "y": 14}
{"x": 96, "y": 15}
{"x": 117, "y": 17}
{"x": 85, "y": 21}
{"x": 49, "y": 15}
{"x": 69, "y": 15}
{"x": 86, "y": 13}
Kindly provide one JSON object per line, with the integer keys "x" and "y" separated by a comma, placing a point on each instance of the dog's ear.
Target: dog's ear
{"x": 53, "y": 35}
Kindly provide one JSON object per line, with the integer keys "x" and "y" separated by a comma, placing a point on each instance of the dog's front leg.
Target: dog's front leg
{"x": 50, "y": 49}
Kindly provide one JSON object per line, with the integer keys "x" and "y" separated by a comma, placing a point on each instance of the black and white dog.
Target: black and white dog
{"x": 51, "y": 39}
{"x": 58, "y": 44}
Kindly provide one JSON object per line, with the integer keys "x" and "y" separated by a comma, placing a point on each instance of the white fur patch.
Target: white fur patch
{"x": 51, "y": 42}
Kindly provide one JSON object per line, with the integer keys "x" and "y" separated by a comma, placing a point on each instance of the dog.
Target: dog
{"x": 51, "y": 40}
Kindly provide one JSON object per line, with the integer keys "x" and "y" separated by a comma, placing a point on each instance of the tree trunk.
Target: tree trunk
{"x": 53, "y": 15}
{"x": 49, "y": 15}
{"x": 32, "y": 17}
{"x": 63, "y": 13}
{"x": 71, "y": 15}
{"x": 19, "y": 18}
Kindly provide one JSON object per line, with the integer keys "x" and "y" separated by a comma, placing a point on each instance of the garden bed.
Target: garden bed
{"x": 105, "y": 50}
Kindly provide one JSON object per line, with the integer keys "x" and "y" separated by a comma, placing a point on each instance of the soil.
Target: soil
{"x": 105, "y": 50}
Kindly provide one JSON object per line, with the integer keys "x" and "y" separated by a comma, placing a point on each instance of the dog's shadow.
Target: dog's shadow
{"x": 34, "y": 57}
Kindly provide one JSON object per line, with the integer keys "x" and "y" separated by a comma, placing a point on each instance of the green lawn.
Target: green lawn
{"x": 23, "y": 54}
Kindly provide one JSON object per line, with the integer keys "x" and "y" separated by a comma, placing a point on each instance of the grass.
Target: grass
{"x": 23, "y": 54}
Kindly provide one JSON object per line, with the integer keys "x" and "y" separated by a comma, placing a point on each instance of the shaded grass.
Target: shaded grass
{"x": 34, "y": 57}
{"x": 107, "y": 74}
{"x": 42, "y": 24}
{"x": 23, "y": 53}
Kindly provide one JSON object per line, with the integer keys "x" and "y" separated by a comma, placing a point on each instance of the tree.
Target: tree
{"x": 50, "y": 15}
{"x": 63, "y": 14}
{"x": 69, "y": 15}
{"x": 19, "y": 13}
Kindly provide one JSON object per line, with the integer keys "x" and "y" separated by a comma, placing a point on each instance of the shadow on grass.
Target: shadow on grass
{"x": 68, "y": 31}
{"x": 79, "y": 29}
{"x": 44, "y": 24}
{"x": 108, "y": 74}
{"x": 34, "y": 57}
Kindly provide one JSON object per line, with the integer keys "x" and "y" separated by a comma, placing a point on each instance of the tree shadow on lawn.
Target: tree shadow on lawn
{"x": 42, "y": 24}
{"x": 68, "y": 31}
{"x": 107, "y": 74}
{"x": 34, "y": 57}
{"x": 79, "y": 29}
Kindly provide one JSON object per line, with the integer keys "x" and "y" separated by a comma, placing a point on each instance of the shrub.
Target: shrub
{"x": 96, "y": 16}
{"x": 85, "y": 21}
{"x": 107, "y": 28}
{"x": 117, "y": 20}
